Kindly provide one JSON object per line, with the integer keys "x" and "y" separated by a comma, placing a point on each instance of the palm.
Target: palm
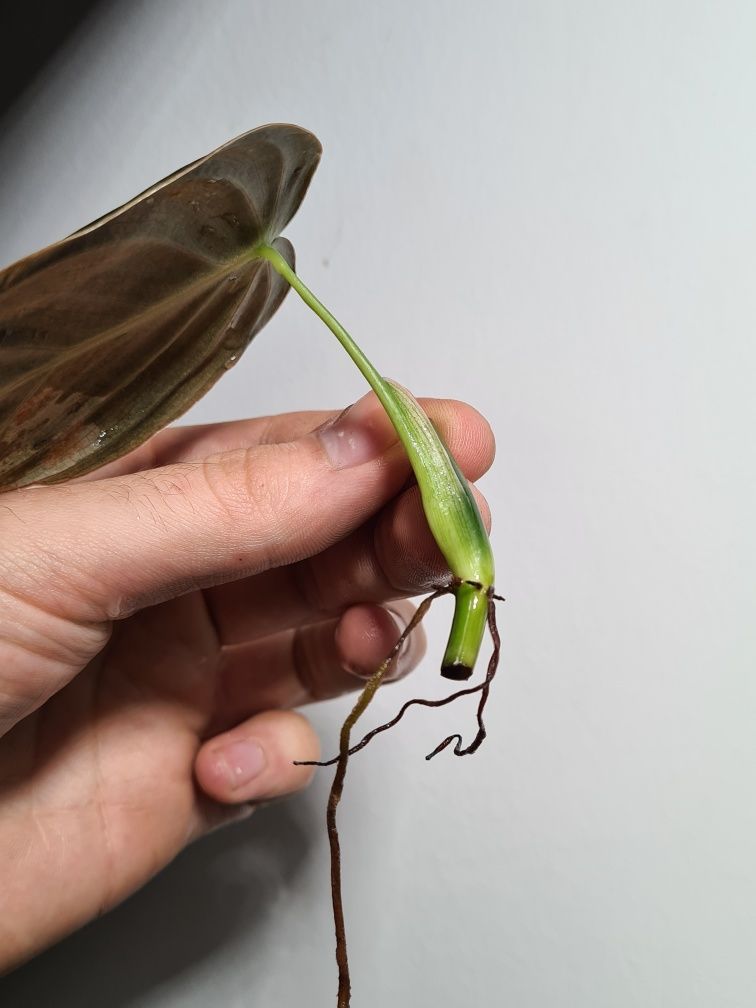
{"x": 102, "y": 775}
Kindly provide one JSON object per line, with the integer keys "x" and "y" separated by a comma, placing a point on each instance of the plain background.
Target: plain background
{"x": 547, "y": 209}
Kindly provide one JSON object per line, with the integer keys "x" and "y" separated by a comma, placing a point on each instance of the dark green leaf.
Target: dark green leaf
{"x": 112, "y": 333}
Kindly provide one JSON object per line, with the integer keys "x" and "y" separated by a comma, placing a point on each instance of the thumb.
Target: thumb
{"x": 75, "y": 557}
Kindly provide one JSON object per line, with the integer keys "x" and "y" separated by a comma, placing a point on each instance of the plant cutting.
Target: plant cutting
{"x": 112, "y": 333}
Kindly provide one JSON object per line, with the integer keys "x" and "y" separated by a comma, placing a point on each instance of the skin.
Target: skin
{"x": 159, "y": 620}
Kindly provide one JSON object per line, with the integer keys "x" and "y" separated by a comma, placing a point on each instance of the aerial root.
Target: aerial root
{"x": 337, "y": 788}
{"x": 345, "y": 751}
{"x": 378, "y": 677}
{"x": 483, "y": 688}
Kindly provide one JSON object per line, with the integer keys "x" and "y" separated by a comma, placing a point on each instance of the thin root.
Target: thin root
{"x": 483, "y": 688}
{"x": 337, "y": 788}
{"x": 345, "y": 751}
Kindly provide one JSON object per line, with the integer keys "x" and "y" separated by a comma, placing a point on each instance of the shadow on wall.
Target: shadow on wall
{"x": 35, "y": 36}
{"x": 219, "y": 890}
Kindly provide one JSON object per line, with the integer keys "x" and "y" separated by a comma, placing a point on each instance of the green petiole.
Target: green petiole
{"x": 450, "y": 508}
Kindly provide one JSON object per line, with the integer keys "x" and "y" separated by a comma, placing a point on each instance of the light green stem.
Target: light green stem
{"x": 450, "y": 508}
{"x": 374, "y": 379}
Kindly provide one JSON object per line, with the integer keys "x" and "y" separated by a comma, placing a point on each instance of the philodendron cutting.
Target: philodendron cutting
{"x": 112, "y": 333}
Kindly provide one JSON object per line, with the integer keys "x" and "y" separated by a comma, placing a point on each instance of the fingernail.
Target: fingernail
{"x": 241, "y": 762}
{"x": 358, "y": 435}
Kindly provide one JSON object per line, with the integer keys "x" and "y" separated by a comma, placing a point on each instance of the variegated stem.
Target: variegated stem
{"x": 448, "y": 502}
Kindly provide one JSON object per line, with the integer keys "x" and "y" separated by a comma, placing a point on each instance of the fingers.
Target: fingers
{"x": 393, "y": 556}
{"x": 255, "y": 761}
{"x": 77, "y": 556}
{"x": 196, "y": 442}
{"x": 116, "y": 545}
{"x": 316, "y": 662}
{"x": 120, "y": 544}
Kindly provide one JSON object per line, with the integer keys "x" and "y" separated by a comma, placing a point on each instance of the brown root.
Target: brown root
{"x": 483, "y": 688}
{"x": 345, "y": 751}
{"x": 337, "y": 788}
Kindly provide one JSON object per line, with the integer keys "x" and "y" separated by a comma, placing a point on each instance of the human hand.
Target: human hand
{"x": 159, "y": 619}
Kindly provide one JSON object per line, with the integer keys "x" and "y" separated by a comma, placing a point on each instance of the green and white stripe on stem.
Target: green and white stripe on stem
{"x": 450, "y": 508}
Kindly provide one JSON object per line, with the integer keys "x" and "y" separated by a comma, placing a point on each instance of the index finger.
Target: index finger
{"x": 197, "y": 441}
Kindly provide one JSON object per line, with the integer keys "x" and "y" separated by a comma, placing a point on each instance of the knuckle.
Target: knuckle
{"x": 271, "y": 487}
{"x": 253, "y": 481}
{"x": 225, "y": 478}
{"x": 264, "y": 490}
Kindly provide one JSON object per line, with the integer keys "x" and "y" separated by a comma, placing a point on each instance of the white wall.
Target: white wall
{"x": 547, "y": 209}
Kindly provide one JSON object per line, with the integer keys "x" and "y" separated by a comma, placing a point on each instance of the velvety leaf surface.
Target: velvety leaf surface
{"x": 112, "y": 333}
